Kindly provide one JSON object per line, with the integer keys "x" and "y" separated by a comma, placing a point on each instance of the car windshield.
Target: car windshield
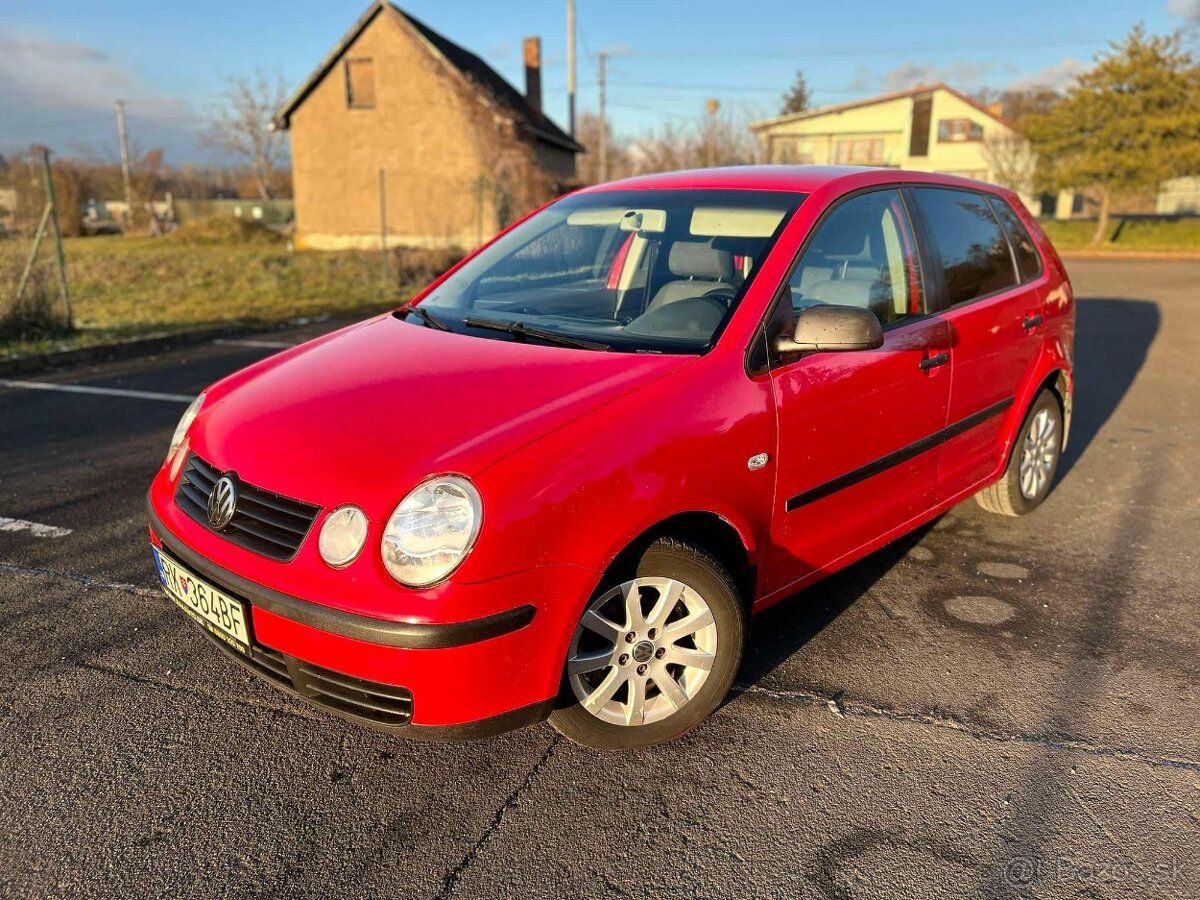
{"x": 644, "y": 270}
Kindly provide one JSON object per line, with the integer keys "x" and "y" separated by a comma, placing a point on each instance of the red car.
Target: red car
{"x": 559, "y": 481}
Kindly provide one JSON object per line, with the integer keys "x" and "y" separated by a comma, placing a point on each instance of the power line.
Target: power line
{"x": 719, "y": 54}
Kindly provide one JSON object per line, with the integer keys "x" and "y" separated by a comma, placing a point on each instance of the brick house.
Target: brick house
{"x": 401, "y": 132}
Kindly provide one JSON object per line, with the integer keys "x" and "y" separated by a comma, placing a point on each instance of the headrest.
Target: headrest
{"x": 845, "y": 234}
{"x": 698, "y": 259}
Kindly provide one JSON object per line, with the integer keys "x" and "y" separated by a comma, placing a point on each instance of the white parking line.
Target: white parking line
{"x": 35, "y": 528}
{"x": 250, "y": 342}
{"x": 102, "y": 391}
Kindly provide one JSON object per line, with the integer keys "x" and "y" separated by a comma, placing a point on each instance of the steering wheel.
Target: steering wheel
{"x": 723, "y": 294}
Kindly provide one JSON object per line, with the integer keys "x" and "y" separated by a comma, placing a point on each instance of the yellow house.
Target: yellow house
{"x": 931, "y": 128}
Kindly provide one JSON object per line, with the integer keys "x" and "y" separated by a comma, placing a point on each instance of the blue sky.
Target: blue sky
{"x": 62, "y": 64}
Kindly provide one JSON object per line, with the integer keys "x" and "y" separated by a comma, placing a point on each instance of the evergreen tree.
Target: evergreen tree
{"x": 798, "y": 97}
{"x": 1130, "y": 122}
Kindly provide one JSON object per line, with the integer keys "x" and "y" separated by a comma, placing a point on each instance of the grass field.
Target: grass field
{"x": 123, "y": 288}
{"x": 226, "y": 273}
{"x": 1145, "y": 235}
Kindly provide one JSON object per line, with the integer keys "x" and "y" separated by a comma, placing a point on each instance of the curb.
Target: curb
{"x": 80, "y": 356}
{"x": 1160, "y": 255}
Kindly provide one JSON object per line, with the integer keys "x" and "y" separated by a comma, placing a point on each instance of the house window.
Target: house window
{"x": 790, "y": 151}
{"x": 956, "y": 130}
{"x": 860, "y": 152}
{"x": 360, "y": 84}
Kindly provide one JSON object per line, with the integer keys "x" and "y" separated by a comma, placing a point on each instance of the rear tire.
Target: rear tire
{"x": 1032, "y": 464}
{"x": 688, "y": 628}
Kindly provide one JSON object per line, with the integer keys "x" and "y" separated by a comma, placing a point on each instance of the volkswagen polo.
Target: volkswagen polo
{"x": 558, "y": 481}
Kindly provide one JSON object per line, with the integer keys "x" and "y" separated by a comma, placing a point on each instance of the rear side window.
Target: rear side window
{"x": 968, "y": 241}
{"x": 1029, "y": 264}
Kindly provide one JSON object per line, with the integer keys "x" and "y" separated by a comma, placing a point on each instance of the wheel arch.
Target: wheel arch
{"x": 706, "y": 530}
{"x": 1059, "y": 383}
{"x": 1056, "y": 379}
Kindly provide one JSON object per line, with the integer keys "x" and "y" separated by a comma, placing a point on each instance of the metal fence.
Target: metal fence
{"x": 34, "y": 293}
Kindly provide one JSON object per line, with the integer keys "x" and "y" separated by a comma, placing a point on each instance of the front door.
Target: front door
{"x": 857, "y": 454}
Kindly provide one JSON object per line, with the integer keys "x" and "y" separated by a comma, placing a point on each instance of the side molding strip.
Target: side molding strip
{"x": 899, "y": 456}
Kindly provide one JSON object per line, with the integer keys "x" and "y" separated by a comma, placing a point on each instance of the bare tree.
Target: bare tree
{"x": 720, "y": 139}
{"x": 588, "y": 131}
{"x": 242, "y": 125}
{"x": 1011, "y": 160}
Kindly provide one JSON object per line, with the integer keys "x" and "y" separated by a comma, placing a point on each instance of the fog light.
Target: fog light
{"x": 343, "y": 536}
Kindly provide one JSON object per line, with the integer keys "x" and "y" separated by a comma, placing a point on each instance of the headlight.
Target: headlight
{"x": 181, "y": 430}
{"x": 342, "y": 536}
{"x": 432, "y": 530}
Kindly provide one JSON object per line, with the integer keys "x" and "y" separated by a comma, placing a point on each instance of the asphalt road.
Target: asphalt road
{"x": 989, "y": 707}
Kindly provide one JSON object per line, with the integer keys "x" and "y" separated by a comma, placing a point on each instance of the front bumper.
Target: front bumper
{"x": 454, "y": 680}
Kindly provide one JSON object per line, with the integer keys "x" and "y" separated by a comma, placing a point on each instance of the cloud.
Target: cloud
{"x": 964, "y": 74}
{"x": 61, "y": 93}
{"x": 862, "y": 79}
{"x": 1185, "y": 9}
{"x": 1057, "y": 77}
{"x": 36, "y": 73}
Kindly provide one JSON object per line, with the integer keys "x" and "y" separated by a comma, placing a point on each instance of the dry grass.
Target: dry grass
{"x": 199, "y": 277}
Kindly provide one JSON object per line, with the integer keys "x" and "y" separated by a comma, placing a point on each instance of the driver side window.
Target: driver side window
{"x": 863, "y": 254}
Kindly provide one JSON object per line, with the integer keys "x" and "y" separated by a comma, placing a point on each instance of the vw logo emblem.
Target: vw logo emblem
{"x": 222, "y": 502}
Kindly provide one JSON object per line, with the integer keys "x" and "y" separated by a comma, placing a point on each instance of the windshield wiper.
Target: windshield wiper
{"x": 430, "y": 320}
{"x": 522, "y": 331}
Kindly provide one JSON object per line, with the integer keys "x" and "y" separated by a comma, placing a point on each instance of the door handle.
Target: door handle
{"x": 1031, "y": 321}
{"x": 932, "y": 362}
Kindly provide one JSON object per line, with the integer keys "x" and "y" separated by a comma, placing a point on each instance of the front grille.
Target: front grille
{"x": 264, "y": 522}
{"x": 372, "y": 701}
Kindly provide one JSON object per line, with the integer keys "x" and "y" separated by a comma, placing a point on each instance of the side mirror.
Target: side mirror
{"x": 830, "y": 327}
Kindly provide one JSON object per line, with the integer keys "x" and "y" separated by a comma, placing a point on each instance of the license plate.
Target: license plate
{"x": 224, "y": 616}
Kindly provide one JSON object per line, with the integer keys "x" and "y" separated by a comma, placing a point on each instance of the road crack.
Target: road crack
{"x": 149, "y": 681}
{"x": 83, "y": 580}
{"x": 453, "y": 876}
{"x": 842, "y": 705}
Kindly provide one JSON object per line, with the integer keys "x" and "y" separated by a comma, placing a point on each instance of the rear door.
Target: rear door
{"x": 990, "y": 296}
{"x": 853, "y": 457}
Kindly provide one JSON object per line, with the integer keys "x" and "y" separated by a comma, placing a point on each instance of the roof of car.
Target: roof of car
{"x": 801, "y": 179}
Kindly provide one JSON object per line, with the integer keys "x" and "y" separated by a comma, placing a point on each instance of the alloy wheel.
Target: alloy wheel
{"x": 1038, "y": 453}
{"x": 642, "y": 651}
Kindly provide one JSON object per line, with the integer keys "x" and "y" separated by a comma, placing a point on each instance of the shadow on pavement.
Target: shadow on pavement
{"x": 1112, "y": 342}
{"x": 779, "y": 632}
{"x": 1112, "y": 339}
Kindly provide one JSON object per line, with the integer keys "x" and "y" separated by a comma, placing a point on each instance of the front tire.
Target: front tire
{"x": 654, "y": 653}
{"x": 1034, "y": 460}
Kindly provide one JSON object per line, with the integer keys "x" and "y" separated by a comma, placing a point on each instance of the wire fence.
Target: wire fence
{"x": 34, "y": 292}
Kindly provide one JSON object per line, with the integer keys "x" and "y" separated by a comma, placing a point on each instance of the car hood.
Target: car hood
{"x": 362, "y": 415}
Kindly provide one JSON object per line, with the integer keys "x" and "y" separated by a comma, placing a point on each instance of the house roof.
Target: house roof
{"x": 882, "y": 98}
{"x": 477, "y": 73}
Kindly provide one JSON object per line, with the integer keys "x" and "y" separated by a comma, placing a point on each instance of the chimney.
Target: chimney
{"x": 533, "y": 72}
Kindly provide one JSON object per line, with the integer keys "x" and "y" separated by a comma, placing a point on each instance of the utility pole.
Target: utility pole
{"x": 124, "y": 141}
{"x": 602, "y": 156}
{"x": 384, "y": 272}
{"x": 571, "y": 67}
